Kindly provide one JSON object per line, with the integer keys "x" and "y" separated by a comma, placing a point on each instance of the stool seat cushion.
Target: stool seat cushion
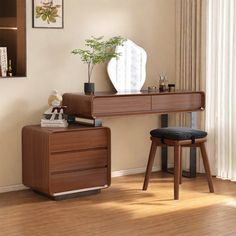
{"x": 178, "y": 133}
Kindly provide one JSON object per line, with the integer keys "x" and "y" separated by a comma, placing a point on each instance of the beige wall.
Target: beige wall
{"x": 151, "y": 24}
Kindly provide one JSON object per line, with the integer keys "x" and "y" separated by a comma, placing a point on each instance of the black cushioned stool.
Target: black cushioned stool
{"x": 178, "y": 137}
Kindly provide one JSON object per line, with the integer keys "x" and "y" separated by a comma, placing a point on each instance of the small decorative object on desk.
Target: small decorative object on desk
{"x": 152, "y": 89}
{"x": 162, "y": 83}
{"x": 171, "y": 87}
{"x": 54, "y": 116}
{"x": 101, "y": 52}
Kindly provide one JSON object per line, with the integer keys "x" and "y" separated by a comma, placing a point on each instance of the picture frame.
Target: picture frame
{"x": 48, "y": 14}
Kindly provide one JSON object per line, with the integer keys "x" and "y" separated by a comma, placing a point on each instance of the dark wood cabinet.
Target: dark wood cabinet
{"x": 57, "y": 161}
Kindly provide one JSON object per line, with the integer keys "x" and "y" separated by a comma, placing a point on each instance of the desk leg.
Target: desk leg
{"x": 164, "y": 150}
{"x": 193, "y": 151}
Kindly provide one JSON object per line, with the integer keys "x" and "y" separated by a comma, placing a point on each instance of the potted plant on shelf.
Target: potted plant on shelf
{"x": 100, "y": 52}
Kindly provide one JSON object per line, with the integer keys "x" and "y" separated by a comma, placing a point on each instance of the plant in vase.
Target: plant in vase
{"x": 100, "y": 51}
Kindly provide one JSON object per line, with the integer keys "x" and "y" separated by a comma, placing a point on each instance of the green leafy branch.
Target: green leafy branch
{"x": 47, "y": 13}
{"x": 100, "y": 51}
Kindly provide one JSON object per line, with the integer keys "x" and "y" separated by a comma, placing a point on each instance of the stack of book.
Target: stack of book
{"x": 3, "y": 61}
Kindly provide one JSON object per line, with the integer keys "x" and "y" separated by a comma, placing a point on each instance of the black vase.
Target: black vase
{"x": 89, "y": 88}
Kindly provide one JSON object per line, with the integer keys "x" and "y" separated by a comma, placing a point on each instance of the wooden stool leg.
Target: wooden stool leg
{"x": 207, "y": 167}
{"x": 180, "y": 175}
{"x": 177, "y": 150}
{"x": 150, "y": 164}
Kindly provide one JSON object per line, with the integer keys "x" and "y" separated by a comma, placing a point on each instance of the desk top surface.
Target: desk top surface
{"x": 135, "y": 93}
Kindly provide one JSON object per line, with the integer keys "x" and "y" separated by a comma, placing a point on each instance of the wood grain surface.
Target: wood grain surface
{"x": 115, "y": 104}
{"x": 56, "y": 160}
{"x": 124, "y": 209}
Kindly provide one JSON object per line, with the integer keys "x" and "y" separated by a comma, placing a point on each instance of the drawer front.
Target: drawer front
{"x": 177, "y": 102}
{"x": 78, "y": 180}
{"x": 77, "y": 140}
{"x": 121, "y": 105}
{"x": 68, "y": 161}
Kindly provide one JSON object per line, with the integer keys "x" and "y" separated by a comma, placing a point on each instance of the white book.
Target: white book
{"x": 53, "y": 124}
{"x": 52, "y": 121}
{"x": 3, "y": 61}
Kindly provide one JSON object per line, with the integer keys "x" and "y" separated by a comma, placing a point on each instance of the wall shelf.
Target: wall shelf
{"x": 8, "y": 28}
{"x": 13, "y": 34}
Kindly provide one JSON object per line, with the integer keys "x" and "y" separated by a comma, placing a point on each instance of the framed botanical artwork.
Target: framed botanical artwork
{"x": 48, "y": 14}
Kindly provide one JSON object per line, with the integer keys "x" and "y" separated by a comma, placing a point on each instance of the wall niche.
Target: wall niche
{"x": 13, "y": 37}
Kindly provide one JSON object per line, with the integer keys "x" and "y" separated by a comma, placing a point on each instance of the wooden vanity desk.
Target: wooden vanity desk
{"x": 108, "y": 104}
{"x": 63, "y": 161}
{"x": 104, "y": 104}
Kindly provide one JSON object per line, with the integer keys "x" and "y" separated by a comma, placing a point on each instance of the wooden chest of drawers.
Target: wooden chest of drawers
{"x": 58, "y": 161}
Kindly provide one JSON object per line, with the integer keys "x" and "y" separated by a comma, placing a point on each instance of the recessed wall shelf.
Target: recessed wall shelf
{"x": 13, "y": 34}
{"x": 8, "y": 28}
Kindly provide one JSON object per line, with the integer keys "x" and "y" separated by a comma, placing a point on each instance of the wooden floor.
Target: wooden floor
{"x": 124, "y": 209}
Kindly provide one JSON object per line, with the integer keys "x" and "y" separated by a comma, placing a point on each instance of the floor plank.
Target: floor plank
{"x": 124, "y": 209}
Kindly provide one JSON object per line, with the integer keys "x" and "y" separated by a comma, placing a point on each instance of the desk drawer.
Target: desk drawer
{"x": 73, "y": 141}
{"x": 177, "y": 102}
{"x": 78, "y": 180}
{"x": 68, "y": 161}
{"x": 121, "y": 105}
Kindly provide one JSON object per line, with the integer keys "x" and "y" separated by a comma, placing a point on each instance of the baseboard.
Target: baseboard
{"x": 114, "y": 174}
{"x": 12, "y": 188}
{"x": 120, "y": 173}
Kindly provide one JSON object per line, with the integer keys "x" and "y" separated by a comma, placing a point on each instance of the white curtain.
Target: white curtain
{"x": 221, "y": 87}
